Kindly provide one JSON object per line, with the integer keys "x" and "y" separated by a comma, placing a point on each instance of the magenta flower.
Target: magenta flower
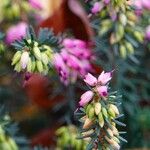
{"x": 102, "y": 90}
{"x": 96, "y": 7}
{"x": 37, "y": 4}
{"x": 104, "y": 77}
{"x": 73, "y": 60}
{"x": 86, "y": 97}
{"x": 68, "y": 43}
{"x": 90, "y": 80}
{"x": 24, "y": 59}
{"x": 16, "y": 32}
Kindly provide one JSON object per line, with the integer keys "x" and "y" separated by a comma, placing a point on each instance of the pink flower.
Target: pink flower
{"x": 104, "y": 77}
{"x": 106, "y": 2}
{"x": 90, "y": 80}
{"x": 102, "y": 90}
{"x": 146, "y": 4}
{"x": 24, "y": 59}
{"x": 147, "y": 34}
{"x": 96, "y": 7}
{"x": 61, "y": 67}
{"x": 86, "y": 97}
{"x": 68, "y": 43}
{"x": 79, "y": 43}
{"x": 37, "y": 4}
{"x": 16, "y": 32}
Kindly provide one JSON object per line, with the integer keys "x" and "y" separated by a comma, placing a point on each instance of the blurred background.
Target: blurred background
{"x": 34, "y": 109}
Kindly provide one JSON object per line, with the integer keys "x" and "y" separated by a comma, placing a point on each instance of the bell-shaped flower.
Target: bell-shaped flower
{"x": 102, "y": 90}
{"x": 90, "y": 80}
{"x": 24, "y": 59}
{"x": 86, "y": 97}
{"x": 104, "y": 77}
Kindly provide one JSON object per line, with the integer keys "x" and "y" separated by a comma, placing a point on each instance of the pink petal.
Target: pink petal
{"x": 102, "y": 90}
{"x": 104, "y": 77}
{"x": 86, "y": 97}
{"x": 90, "y": 80}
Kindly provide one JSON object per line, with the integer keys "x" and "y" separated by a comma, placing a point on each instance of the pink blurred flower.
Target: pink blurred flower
{"x": 147, "y": 34}
{"x": 96, "y": 7}
{"x": 74, "y": 60}
{"x": 16, "y": 32}
{"x": 36, "y": 4}
{"x": 146, "y": 4}
{"x": 90, "y": 80}
{"x": 102, "y": 90}
{"x": 86, "y": 97}
{"x": 24, "y": 59}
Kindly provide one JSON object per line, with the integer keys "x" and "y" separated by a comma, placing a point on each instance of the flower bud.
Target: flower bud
{"x": 16, "y": 57}
{"x": 88, "y": 123}
{"x": 111, "y": 112}
{"x": 97, "y": 108}
{"x": 91, "y": 113}
{"x": 123, "y": 19}
{"x": 139, "y": 36}
{"x": 29, "y": 65}
{"x": 101, "y": 120}
{"x": 123, "y": 52}
{"x": 24, "y": 59}
{"x": 129, "y": 47}
{"x": 115, "y": 109}
{"x": 33, "y": 64}
{"x": 115, "y": 131}
{"x": 102, "y": 90}
{"x": 37, "y": 53}
{"x": 109, "y": 131}
{"x": 39, "y": 66}
{"x": 44, "y": 58}
{"x": 104, "y": 112}
{"x": 86, "y": 97}
{"x": 18, "y": 67}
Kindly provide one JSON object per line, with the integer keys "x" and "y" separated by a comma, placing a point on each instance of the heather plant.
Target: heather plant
{"x": 43, "y": 75}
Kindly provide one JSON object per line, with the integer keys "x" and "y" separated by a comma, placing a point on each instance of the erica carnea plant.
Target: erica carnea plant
{"x": 116, "y": 23}
{"x": 98, "y": 112}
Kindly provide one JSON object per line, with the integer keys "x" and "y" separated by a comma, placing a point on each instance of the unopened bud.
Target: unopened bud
{"x": 115, "y": 109}
{"x": 123, "y": 52}
{"x": 39, "y": 66}
{"x": 37, "y": 53}
{"x": 16, "y": 57}
{"x": 91, "y": 113}
{"x": 109, "y": 131}
{"x": 101, "y": 120}
{"x": 97, "y": 108}
{"x": 123, "y": 19}
{"x": 88, "y": 123}
{"x": 104, "y": 112}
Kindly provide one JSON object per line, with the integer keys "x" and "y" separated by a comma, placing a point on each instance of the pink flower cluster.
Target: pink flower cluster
{"x": 73, "y": 60}
{"x": 16, "y": 32}
{"x": 99, "y": 85}
{"x": 142, "y": 4}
